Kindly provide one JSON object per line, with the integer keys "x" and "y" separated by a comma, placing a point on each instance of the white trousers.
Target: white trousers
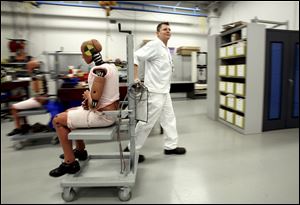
{"x": 159, "y": 107}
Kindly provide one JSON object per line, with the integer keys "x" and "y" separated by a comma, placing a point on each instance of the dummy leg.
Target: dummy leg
{"x": 80, "y": 145}
{"x": 14, "y": 113}
{"x": 62, "y": 131}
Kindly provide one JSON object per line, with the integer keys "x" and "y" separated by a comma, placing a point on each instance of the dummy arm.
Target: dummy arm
{"x": 91, "y": 98}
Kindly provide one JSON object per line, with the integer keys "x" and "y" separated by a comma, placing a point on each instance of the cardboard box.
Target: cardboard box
{"x": 240, "y": 104}
{"x": 223, "y": 100}
{"x": 239, "y": 121}
{"x": 223, "y": 70}
{"x": 187, "y": 50}
{"x": 223, "y": 52}
{"x": 231, "y": 71}
{"x": 230, "y": 117}
{"x": 222, "y": 113}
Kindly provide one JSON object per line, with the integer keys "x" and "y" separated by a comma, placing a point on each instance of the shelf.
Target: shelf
{"x": 230, "y": 31}
{"x": 233, "y": 57}
{"x": 234, "y": 42}
{"x": 235, "y": 77}
{"x": 232, "y": 110}
{"x": 201, "y": 66}
{"x": 235, "y": 97}
{"x": 241, "y": 130}
{"x": 241, "y": 96}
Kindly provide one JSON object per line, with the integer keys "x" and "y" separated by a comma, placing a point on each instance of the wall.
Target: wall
{"x": 50, "y": 28}
{"x": 280, "y": 11}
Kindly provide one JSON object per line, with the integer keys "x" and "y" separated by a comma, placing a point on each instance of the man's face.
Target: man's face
{"x": 164, "y": 33}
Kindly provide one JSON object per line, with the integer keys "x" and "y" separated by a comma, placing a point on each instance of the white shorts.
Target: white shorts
{"x": 81, "y": 118}
{"x": 27, "y": 104}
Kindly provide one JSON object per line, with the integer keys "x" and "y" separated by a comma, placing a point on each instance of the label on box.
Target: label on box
{"x": 222, "y": 113}
{"x": 229, "y": 117}
{"x": 223, "y": 52}
{"x": 241, "y": 70}
{"x": 231, "y": 70}
{"x": 230, "y": 102}
{"x": 223, "y": 70}
{"x": 230, "y": 87}
{"x": 230, "y": 51}
{"x": 223, "y": 100}
{"x": 240, "y": 50}
{"x": 239, "y": 120}
{"x": 239, "y": 104}
{"x": 222, "y": 86}
{"x": 239, "y": 88}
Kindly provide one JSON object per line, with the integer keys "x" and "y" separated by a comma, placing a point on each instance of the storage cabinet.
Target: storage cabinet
{"x": 254, "y": 78}
{"x": 281, "y": 105}
{"x": 236, "y": 74}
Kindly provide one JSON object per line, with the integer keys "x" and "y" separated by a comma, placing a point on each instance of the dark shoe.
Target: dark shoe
{"x": 65, "y": 168}
{"x": 81, "y": 155}
{"x": 177, "y": 150}
{"x": 15, "y": 131}
{"x": 25, "y": 129}
{"x": 37, "y": 127}
{"x": 141, "y": 157}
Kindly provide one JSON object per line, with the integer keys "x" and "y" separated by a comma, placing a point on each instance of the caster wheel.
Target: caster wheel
{"x": 55, "y": 140}
{"x": 18, "y": 145}
{"x": 68, "y": 194}
{"x": 124, "y": 193}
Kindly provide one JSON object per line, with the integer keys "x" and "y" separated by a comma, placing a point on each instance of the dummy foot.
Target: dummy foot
{"x": 81, "y": 155}
{"x": 65, "y": 168}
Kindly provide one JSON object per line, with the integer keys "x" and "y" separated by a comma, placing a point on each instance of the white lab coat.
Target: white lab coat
{"x": 158, "y": 71}
{"x": 158, "y": 65}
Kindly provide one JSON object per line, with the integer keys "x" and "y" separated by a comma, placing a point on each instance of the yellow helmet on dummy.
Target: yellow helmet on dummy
{"x": 89, "y": 49}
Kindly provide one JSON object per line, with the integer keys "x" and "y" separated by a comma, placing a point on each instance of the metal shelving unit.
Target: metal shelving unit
{"x": 236, "y": 77}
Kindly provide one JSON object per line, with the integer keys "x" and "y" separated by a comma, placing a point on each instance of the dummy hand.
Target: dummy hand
{"x": 84, "y": 104}
{"x": 87, "y": 100}
{"x": 137, "y": 81}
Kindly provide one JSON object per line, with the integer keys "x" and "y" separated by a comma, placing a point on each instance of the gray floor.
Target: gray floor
{"x": 221, "y": 166}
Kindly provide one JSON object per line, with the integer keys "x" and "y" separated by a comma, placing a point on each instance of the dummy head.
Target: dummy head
{"x": 89, "y": 49}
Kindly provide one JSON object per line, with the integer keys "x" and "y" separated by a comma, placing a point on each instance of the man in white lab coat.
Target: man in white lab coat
{"x": 158, "y": 70}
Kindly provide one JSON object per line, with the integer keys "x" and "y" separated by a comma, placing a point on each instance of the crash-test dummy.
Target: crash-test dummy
{"x": 103, "y": 95}
{"x": 40, "y": 90}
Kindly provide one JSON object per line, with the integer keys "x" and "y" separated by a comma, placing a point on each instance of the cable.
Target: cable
{"x": 139, "y": 92}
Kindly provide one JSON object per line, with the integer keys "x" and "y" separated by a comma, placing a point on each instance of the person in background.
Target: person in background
{"x": 158, "y": 70}
{"x": 103, "y": 95}
{"x": 40, "y": 89}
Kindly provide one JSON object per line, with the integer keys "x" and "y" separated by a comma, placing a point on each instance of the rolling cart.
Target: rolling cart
{"x": 111, "y": 169}
{"x": 21, "y": 140}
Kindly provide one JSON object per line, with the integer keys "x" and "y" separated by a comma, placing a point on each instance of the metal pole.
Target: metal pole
{"x": 131, "y": 101}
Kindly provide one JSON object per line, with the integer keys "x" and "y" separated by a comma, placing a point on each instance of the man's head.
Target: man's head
{"x": 163, "y": 31}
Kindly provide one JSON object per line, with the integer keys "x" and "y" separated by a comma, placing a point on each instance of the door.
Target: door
{"x": 281, "y": 100}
